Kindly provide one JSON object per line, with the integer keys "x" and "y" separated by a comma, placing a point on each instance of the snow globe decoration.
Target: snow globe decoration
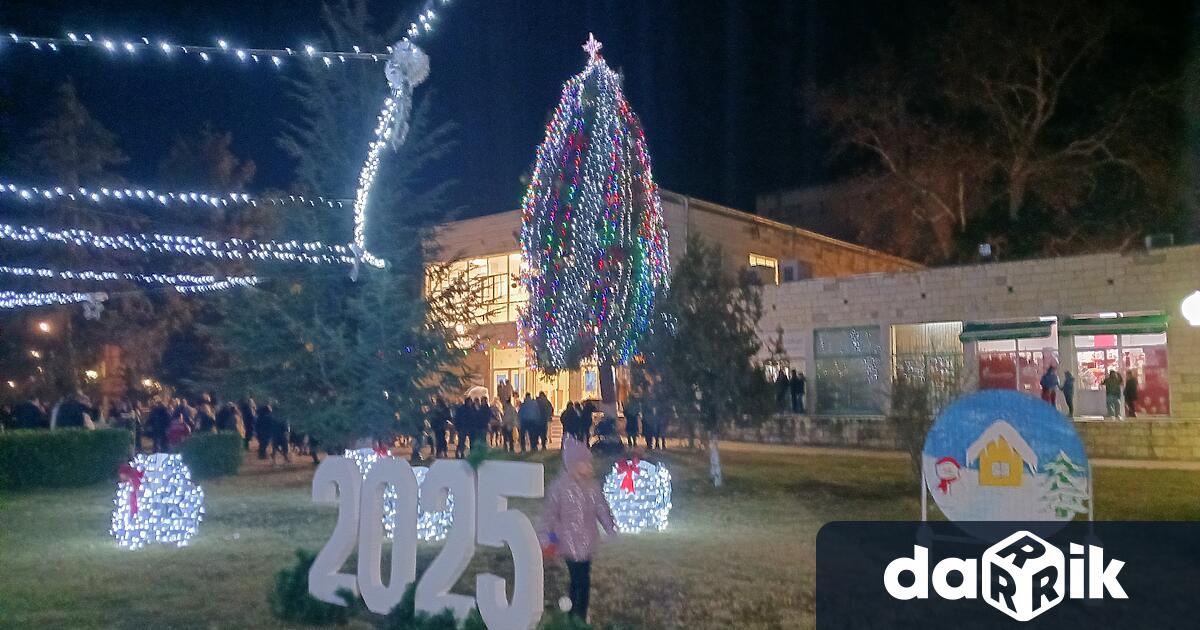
{"x": 639, "y": 495}
{"x": 431, "y": 526}
{"x": 999, "y": 455}
{"x": 156, "y": 502}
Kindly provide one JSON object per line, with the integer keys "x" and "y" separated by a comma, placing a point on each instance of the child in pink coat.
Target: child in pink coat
{"x": 574, "y": 505}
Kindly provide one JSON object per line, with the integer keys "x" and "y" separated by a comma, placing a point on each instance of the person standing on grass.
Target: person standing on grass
{"x": 783, "y": 390}
{"x": 463, "y": 419}
{"x": 528, "y": 416}
{"x": 439, "y": 422}
{"x": 632, "y": 418}
{"x": 569, "y": 418}
{"x": 229, "y": 419}
{"x": 1068, "y": 390}
{"x": 799, "y": 383}
{"x": 1131, "y": 394}
{"x": 158, "y": 423}
{"x": 574, "y": 506}
{"x": 545, "y": 417}
{"x": 1112, "y": 395}
{"x": 264, "y": 427}
{"x": 281, "y": 434}
{"x": 1050, "y": 385}
{"x": 508, "y": 422}
{"x": 247, "y": 409}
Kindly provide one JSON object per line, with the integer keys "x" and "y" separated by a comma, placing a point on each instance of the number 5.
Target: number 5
{"x": 498, "y": 526}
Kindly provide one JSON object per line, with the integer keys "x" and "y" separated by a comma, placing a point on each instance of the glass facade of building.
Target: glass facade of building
{"x": 848, "y": 370}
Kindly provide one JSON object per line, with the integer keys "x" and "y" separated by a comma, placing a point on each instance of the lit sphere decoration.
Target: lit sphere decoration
{"x": 156, "y": 502}
{"x": 431, "y": 526}
{"x": 639, "y": 495}
{"x": 1191, "y": 308}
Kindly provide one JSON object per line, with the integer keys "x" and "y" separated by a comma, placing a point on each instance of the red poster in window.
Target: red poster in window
{"x": 1154, "y": 393}
{"x": 997, "y": 370}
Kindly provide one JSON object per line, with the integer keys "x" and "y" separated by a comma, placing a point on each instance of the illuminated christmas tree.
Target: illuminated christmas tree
{"x": 593, "y": 234}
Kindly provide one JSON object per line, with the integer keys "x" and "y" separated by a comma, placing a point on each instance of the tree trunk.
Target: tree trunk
{"x": 608, "y": 390}
{"x": 714, "y": 460}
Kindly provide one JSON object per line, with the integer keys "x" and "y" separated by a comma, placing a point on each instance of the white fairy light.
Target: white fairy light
{"x": 183, "y": 283}
{"x": 648, "y": 505}
{"x": 15, "y": 299}
{"x": 431, "y": 526}
{"x": 156, "y": 502}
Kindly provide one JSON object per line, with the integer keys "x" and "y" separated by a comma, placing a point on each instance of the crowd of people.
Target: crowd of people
{"x": 521, "y": 424}
{"x": 163, "y": 423}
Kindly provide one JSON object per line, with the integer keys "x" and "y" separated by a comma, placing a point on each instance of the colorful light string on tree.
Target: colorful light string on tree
{"x": 592, "y": 230}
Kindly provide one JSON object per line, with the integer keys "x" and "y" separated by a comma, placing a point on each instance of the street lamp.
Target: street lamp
{"x": 1191, "y": 308}
{"x": 44, "y": 326}
{"x": 35, "y": 354}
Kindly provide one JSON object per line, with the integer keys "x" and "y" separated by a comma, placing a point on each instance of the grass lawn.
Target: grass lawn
{"x": 739, "y": 557}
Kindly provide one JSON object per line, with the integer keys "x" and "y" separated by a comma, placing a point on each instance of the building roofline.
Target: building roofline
{"x": 741, "y": 215}
{"x": 817, "y": 236}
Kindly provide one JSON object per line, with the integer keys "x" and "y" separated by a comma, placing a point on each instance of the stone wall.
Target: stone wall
{"x": 1144, "y": 439}
{"x": 1177, "y": 440}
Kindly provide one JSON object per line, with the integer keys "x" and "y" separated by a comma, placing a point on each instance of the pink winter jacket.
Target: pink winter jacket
{"x": 569, "y": 518}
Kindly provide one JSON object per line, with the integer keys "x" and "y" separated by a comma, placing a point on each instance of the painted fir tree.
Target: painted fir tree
{"x": 1066, "y": 489}
{"x": 593, "y": 234}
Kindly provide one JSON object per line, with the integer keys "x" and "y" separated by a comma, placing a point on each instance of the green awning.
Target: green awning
{"x": 1031, "y": 329}
{"x": 1133, "y": 325}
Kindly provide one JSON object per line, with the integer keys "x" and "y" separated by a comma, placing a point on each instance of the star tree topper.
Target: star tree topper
{"x": 592, "y": 47}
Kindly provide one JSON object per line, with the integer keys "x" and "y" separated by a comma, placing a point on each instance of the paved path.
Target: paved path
{"x": 752, "y": 447}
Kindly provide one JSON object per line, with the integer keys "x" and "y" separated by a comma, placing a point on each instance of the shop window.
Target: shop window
{"x": 931, "y": 354}
{"x": 1017, "y": 363}
{"x": 497, "y": 279}
{"x": 847, "y": 377}
{"x": 1145, "y": 355}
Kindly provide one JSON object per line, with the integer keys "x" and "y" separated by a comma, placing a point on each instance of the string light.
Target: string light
{"x": 156, "y": 501}
{"x": 648, "y": 505}
{"x": 592, "y": 229}
{"x": 184, "y": 283}
{"x": 431, "y": 526}
{"x": 243, "y": 55}
{"x": 234, "y": 249}
{"x": 14, "y": 299}
{"x": 149, "y": 195}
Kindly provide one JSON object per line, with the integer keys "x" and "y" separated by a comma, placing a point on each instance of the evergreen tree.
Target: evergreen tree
{"x": 345, "y": 360}
{"x": 593, "y": 232}
{"x": 699, "y": 357}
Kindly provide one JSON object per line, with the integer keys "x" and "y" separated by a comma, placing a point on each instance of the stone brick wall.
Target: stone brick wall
{"x": 870, "y": 432}
{"x": 1157, "y": 280}
{"x": 1146, "y": 439}
{"x": 1177, "y": 440}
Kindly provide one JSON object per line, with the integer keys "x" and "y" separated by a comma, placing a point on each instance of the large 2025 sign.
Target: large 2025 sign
{"x": 480, "y": 514}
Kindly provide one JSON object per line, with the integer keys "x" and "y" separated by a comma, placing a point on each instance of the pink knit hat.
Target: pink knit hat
{"x": 574, "y": 452}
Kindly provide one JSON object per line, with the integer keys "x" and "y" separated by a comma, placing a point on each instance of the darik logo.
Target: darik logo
{"x": 1023, "y": 576}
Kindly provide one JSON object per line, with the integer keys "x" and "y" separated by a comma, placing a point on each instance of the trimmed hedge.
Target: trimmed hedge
{"x": 211, "y": 455}
{"x": 31, "y": 458}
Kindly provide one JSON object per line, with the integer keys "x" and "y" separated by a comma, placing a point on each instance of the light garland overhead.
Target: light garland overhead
{"x": 221, "y": 48}
{"x": 313, "y": 252}
{"x": 592, "y": 229}
{"x": 17, "y": 299}
{"x": 184, "y": 283}
{"x": 149, "y": 195}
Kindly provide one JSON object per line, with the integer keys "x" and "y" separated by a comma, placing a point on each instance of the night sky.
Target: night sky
{"x": 716, "y": 82}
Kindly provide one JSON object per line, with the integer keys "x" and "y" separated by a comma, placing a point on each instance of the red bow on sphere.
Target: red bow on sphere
{"x": 381, "y": 451}
{"x": 134, "y": 477}
{"x": 629, "y": 468}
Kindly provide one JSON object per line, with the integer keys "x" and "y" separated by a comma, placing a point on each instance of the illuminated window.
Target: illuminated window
{"x": 497, "y": 279}
{"x": 766, "y": 262}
